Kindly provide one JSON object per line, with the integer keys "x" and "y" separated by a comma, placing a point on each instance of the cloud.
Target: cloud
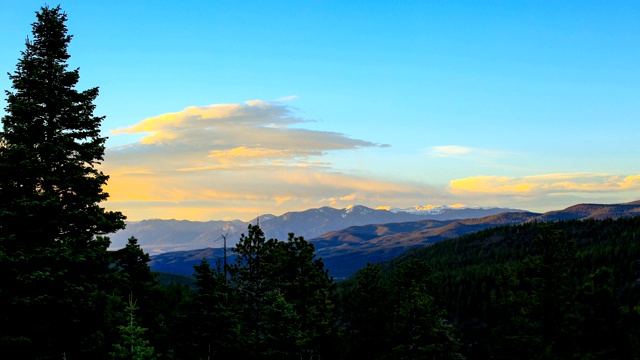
{"x": 220, "y": 159}
{"x": 288, "y": 98}
{"x": 352, "y": 197}
{"x": 542, "y": 185}
{"x": 456, "y": 151}
{"x": 256, "y": 133}
{"x": 448, "y": 151}
{"x": 270, "y": 190}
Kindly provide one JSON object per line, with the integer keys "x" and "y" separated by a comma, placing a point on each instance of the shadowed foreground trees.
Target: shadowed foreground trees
{"x": 397, "y": 317}
{"x": 54, "y": 266}
{"x": 561, "y": 290}
{"x": 287, "y": 275}
{"x": 278, "y": 304}
{"x": 536, "y": 291}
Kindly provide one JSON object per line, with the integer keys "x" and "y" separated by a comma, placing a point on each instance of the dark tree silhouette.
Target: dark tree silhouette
{"x": 53, "y": 262}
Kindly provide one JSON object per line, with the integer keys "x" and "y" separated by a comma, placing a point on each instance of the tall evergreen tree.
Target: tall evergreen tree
{"x": 250, "y": 276}
{"x": 53, "y": 262}
{"x": 213, "y": 317}
{"x": 132, "y": 345}
{"x": 285, "y": 295}
{"x": 135, "y": 277}
{"x": 269, "y": 324}
{"x": 368, "y": 315}
{"x": 306, "y": 285}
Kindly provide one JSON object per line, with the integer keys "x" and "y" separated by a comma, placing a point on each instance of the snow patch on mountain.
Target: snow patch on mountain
{"x": 356, "y": 210}
{"x": 429, "y": 209}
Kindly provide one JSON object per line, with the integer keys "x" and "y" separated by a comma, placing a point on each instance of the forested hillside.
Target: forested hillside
{"x": 567, "y": 289}
{"x": 552, "y": 290}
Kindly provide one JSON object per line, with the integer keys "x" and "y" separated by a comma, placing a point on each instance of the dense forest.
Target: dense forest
{"x": 556, "y": 290}
{"x": 553, "y": 290}
{"x": 562, "y": 290}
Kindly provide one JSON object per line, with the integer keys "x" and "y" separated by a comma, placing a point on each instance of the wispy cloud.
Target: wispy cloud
{"x": 448, "y": 151}
{"x": 457, "y": 151}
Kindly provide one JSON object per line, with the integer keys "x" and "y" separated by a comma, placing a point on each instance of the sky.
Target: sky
{"x": 232, "y": 109}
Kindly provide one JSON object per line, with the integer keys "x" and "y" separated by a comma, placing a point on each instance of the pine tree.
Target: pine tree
{"x": 54, "y": 267}
{"x": 269, "y": 322}
{"x": 135, "y": 276}
{"x": 368, "y": 315}
{"x": 131, "y": 345}
{"x": 306, "y": 285}
{"x": 213, "y": 318}
{"x": 250, "y": 277}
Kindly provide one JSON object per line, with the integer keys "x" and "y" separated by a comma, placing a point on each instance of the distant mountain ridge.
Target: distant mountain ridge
{"x": 346, "y": 250}
{"x": 443, "y": 212}
{"x": 158, "y": 236}
{"x": 593, "y": 211}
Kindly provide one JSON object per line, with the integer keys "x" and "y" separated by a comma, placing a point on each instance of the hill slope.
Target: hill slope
{"x": 495, "y": 285}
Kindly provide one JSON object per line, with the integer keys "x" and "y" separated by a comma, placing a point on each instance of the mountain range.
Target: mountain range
{"x": 346, "y": 250}
{"x": 158, "y": 236}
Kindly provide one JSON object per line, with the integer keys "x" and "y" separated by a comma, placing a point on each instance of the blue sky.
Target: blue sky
{"x": 227, "y": 109}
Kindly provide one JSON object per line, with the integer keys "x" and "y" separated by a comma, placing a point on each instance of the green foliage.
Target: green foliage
{"x": 54, "y": 266}
{"x": 561, "y": 290}
{"x": 284, "y": 295}
{"x": 397, "y": 317}
{"x": 132, "y": 345}
{"x": 306, "y": 286}
{"x": 168, "y": 279}
{"x": 367, "y": 315}
{"x": 419, "y": 325}
{"x": 212, "y": 316}
{"x": 135, "y": 276}
{"x": 132, "y": 265}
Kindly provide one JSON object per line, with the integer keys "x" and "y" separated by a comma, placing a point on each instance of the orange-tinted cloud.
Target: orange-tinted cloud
{"x": 207, "y": 162}
{"x": 256, "y": 133}
{"x": 539, "y": 185}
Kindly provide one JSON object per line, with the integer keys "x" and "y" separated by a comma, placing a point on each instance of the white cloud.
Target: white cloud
{"x": 448, "y": 151}
{"x": 457, "y": 151}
